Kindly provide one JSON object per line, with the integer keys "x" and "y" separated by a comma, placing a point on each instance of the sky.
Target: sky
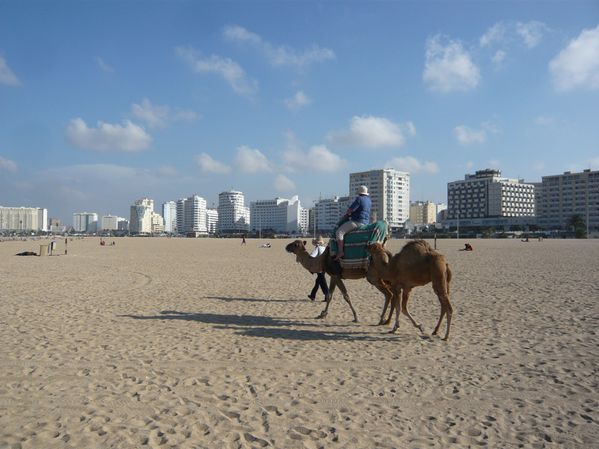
{"x": 103, "y": 103}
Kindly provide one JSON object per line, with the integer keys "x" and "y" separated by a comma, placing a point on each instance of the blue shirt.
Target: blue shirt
{"x": 361, "y": 209}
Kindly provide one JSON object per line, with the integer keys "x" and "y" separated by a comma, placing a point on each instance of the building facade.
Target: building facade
{"x": 487, "y": 194}
{"x": 23, "y": 219}
{"x": 85, "y": 222}
{"x": 328, "y": 212}
{"x": 279, "y": 215}
{"x": 211, "y": 220}
{"x": 169, "y": 213}
{"x": 233, "y": 215}
{"x": 389, "y": 190}
{"x": 111, "y": 222}
{"x": 562, "y": 196}
{"x": 193, "y": 219}
{"x": 423, "y": 212}
{"x": 141, "y": 216}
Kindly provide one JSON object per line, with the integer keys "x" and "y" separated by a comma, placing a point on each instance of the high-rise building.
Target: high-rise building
{"x": 423, "y": 212}
{"x": 111, "y": 222}
{"x": 233, "y": 215}
{"x": 562, "y": 196}
{"x": 169, "y": 213}
{"x": 141, "y": 216}
{"x": 328, "y": 212}
{"x": 85, "y": 222}
{"x": 389, "y": 190}
{"x": 279, "y": 214}
{"x": 193, "y": 215}
{"x": 23, "y": 219}
{"x": 211, "y": 220}
{"x": 487, "y": 194}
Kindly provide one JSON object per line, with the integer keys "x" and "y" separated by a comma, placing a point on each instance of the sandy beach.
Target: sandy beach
{"x": 204, "y": 343}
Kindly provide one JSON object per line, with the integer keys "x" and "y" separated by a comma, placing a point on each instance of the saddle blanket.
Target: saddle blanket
{"x": 355, "y": 242}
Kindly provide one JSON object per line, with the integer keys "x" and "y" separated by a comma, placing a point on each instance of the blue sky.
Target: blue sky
{"x": 102, "y": 103}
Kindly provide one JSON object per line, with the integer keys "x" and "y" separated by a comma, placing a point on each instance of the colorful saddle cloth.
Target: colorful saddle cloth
{"x": 355, "y": 243}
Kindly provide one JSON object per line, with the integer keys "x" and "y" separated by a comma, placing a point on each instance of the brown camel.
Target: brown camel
{"x": 333, "y": 268}
{"x": 415, "y": 265}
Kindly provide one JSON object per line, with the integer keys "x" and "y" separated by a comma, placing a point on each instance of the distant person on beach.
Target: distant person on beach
{"x": 266, "y": 245}
{"x": 467, "y": 247}
{"x": 319, "y": 248}
{"x": 358, "y": 214}
{"x": 243, "y": 239}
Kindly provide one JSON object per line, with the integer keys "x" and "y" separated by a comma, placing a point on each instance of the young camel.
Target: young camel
{"x": 325, "y": 262}
{"x": 415, "y": 265}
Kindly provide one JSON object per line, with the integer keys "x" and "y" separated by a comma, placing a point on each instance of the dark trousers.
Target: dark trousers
{"x": 322, "y": 283}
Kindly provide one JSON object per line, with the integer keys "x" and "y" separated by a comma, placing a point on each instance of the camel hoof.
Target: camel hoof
{"x": 355, "y": 320}
{"x": 321, "y": 316}
{"x": 395, "y": 330}
{"x": 421, "y": 327}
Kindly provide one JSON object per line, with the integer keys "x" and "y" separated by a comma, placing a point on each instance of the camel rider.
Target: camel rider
{"x": 358, "y": 214}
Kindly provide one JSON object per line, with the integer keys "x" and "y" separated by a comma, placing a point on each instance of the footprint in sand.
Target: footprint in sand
{"x": 255, "y": 440}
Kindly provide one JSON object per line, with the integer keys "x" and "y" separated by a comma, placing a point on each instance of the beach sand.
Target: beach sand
{"x": 204, "y": 343}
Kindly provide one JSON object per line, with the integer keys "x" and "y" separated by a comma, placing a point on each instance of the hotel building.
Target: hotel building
{"x": 233, "y": 215}
{"x": 279, "y": 215}
{"x": 85, "y": 222}
{"x": 191, "y": 215}
{"x": 23, "y": 219}
{"x": 141, "y": 216}
{"x": 169, "y": 213}
{"x": 389, "y": 190}
{"x": 328, "y": 212}
{"x": 423, "y": 212}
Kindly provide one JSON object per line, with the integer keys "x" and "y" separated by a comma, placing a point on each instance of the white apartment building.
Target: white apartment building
{"x": 441, "y": 212}
{"x": 141, "y": 216}
{"x": 23, "y": 219}
{"x": 487, "y": 194}
{"x": 193, "y": 215}
{"x": 157, "y": 223}
{"x": 233, "y": 215}
{"x": 85, "y": 222}
{"x": 328, "y": 212}
{"x": 423, "y": 212}
{"x": 562, "y": 196}
{"x": 279, "y": 215}
{"x": 169, "y": 213}
{"x": 211, "y": 220}
{"x": 111, "y": 222}
{"x": 389, "y": 190}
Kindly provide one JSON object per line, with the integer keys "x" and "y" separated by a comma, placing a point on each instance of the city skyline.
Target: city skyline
{"x": 279, "y": 99}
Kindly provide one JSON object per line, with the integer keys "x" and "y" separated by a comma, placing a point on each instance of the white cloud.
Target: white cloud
{"x": 159, "y": 116}
{"x": 412, "y": 165}
{"x": 128, "y": 137}
{"x": 577, "y": 65}
{"x": 449, "y": 68}
{"x": 499, "y": 57}
{"x": 249, "y": 160}
{"x": 468, "y": 136}
{"x": 299, "y": 100}
{"x": 531, "y": 32}
{"x": 495, "y": 34}
{"x": 8, "y": 165}
{"x": 283, "y": 184}
{"x": 7, "y": 76}
{"x": 372, "y": 132}
{"x": 104, "y": 66}
{"x": 279, "y": 55}
{"x": 318, "y": 158}
{"x": 228, "y": 69}
{"x": 209, "y": 165}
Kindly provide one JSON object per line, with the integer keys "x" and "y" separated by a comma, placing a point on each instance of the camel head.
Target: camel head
{"x": 378, "y": 251}
{"x": 296, "y": 247}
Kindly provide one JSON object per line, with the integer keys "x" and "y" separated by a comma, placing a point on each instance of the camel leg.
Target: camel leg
{"x": 384, "y": 288}
{"x": 332, "y": 285}
{"x": 441, "y": 287}
{"x": 397, "y": 306}
{"x": 404, "y": 308}
{"x": 347, "y": 300}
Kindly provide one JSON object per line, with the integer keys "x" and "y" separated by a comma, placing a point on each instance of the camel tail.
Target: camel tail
{"x": 447, "y": 277}
{"x": 442, "y": 273}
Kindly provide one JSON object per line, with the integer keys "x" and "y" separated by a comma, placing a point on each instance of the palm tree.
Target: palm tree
{"x": 578, "y": 225}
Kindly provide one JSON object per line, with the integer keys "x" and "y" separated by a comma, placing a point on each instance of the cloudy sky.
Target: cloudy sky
{"x": 102, "y": 103}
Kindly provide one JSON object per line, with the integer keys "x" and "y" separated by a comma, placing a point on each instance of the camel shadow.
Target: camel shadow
{"x": 231, "y": 299}
{"x": 310, "y": 335}
{"x": 222, "y": 320}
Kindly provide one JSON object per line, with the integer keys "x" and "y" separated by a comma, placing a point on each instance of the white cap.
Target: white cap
{"x": 362, "y": 190}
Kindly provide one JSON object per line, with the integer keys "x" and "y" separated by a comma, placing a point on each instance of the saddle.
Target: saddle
{"x": 355, "y": 242}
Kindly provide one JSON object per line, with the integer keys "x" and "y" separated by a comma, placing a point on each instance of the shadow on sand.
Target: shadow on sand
{"x": 231, "y": 299}
{"x": 266, "y": 327}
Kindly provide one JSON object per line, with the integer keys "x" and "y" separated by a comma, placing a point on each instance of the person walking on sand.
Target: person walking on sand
{"x": 243, "y": 239}
{"x": 357, "y": 215}
{"x": 319, "y": 248}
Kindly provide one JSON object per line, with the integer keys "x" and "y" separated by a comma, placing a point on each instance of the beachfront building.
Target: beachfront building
{"x": 157, "y": 223}
{"x": 441, "y": 212}
{"x": 193, "y": 216}
{"x": 85, "y": 222}
{"x": 486, "y": 199}
{"x": 279, "y": 215}
{"x": 23, "y": 219}
{"x": 211, "y": 220}
{"x": 389, "y": 190}
{"x": 111, "y": 222}
{"x": 328, "y": 212}
{"x": 169, "y": 213}
{"x": 233, "y": 214}
{"x": 423, "y": 212}
{"x": 562, "y": 196}
{"x": 141, "y": 216}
